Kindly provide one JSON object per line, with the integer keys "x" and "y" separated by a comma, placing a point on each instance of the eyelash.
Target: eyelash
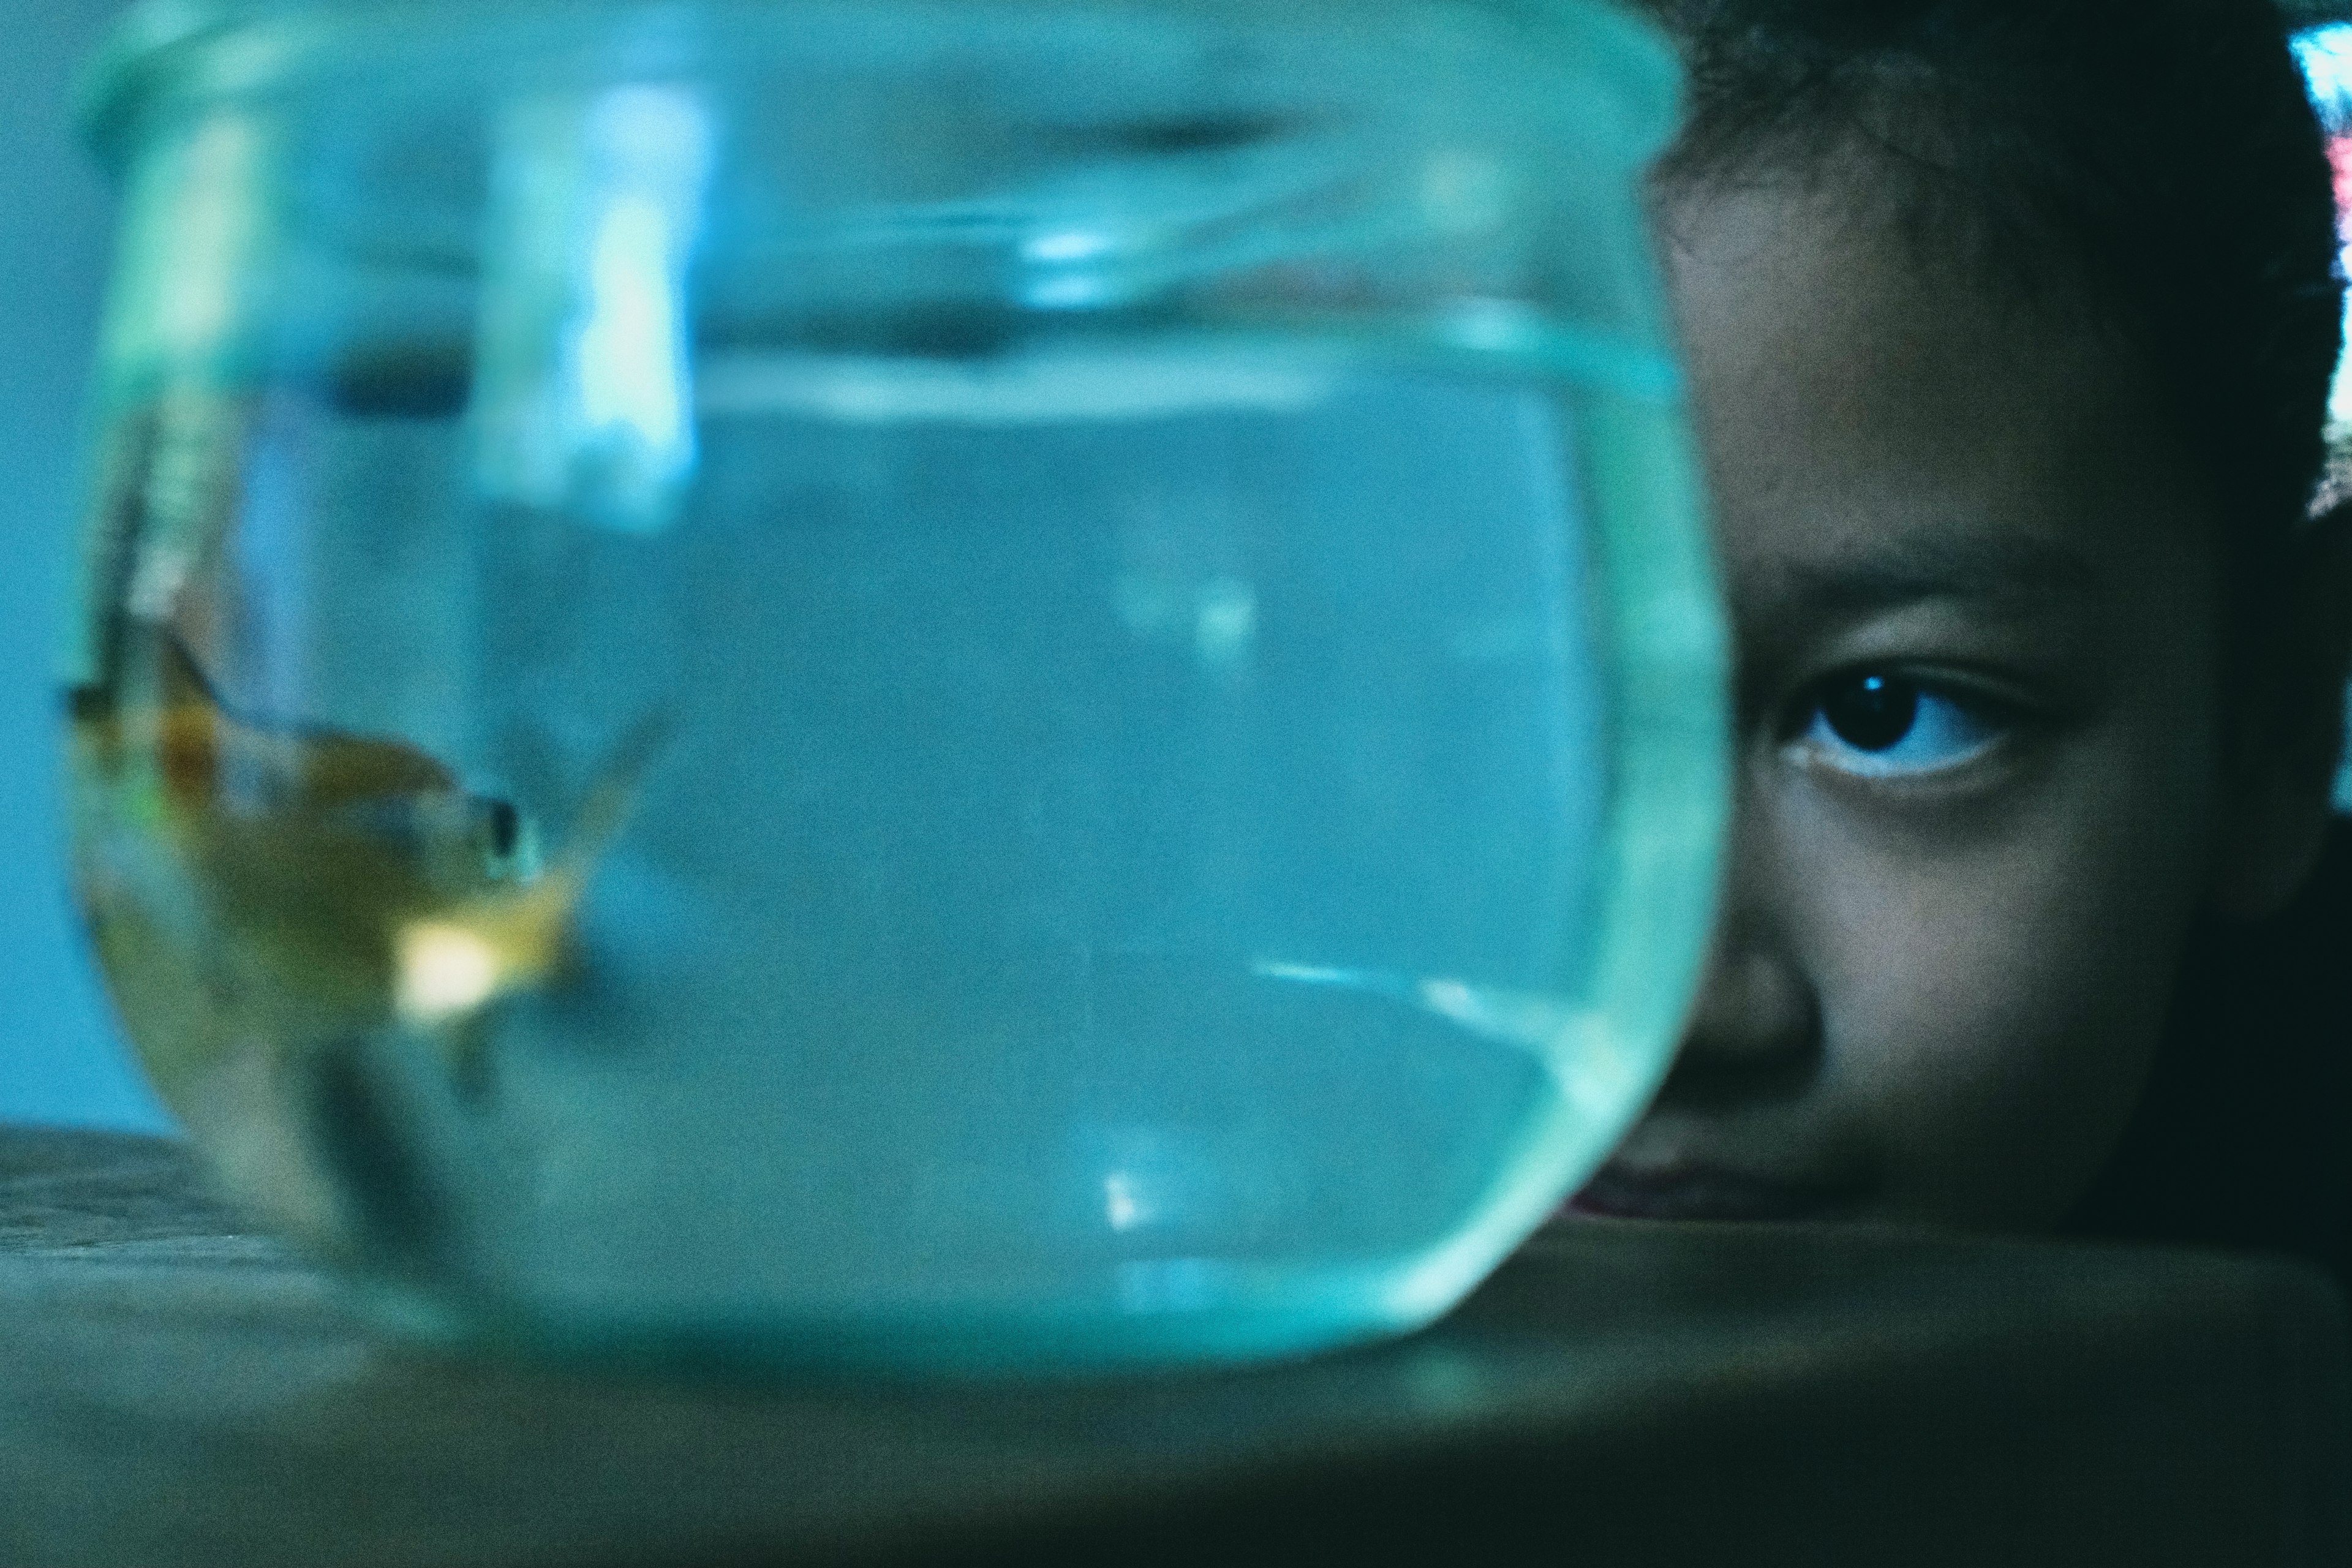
{"x": 1880, "y": 723}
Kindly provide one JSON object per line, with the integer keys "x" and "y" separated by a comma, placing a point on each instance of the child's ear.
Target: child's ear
{"x": 2287, "y": 733}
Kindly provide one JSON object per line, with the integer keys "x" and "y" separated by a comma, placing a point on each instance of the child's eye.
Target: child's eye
{"x": 1877, "y": 725}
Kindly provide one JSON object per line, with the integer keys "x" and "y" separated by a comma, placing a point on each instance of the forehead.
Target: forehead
{"x": 1864, "y": 396}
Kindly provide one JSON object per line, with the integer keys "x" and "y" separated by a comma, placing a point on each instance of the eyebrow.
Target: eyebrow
{"x": 2013, "y": 572}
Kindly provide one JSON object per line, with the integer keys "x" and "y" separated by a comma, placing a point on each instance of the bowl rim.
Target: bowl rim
{"x": 156, "y": 43}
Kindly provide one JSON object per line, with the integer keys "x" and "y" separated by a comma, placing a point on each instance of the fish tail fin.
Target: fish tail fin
{"x": 606, "y": 810}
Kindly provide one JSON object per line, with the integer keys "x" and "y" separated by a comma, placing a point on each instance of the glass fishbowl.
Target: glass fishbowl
{"x": 981, "y": 684}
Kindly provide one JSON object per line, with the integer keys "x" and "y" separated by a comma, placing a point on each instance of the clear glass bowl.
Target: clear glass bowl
{"x": 1007, "y": 683}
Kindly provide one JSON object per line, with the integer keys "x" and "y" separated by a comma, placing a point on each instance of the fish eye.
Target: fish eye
{"x": 1878, "y": 724}
{"x": 505, "y": 839}
{"x": 505, "y": 827}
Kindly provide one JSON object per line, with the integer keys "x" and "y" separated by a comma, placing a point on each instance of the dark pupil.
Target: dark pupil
{"x": 1871, "y": 713}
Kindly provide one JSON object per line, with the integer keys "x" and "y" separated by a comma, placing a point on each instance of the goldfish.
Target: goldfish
{"x": 251, "y": 881}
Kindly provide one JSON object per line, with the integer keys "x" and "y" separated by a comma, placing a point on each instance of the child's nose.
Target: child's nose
{"x": 1755, "y": 1032}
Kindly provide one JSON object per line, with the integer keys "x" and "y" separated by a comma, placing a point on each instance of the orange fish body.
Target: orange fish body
{"x": 251, "y": 883}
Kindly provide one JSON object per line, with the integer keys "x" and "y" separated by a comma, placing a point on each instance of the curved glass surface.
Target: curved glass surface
{"x": 981, "y": 685}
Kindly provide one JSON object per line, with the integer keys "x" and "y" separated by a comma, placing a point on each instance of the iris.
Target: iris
{"x": 1879, "y": 724}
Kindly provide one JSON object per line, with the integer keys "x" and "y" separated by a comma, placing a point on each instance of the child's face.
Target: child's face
{"x": 1975, "y": 586}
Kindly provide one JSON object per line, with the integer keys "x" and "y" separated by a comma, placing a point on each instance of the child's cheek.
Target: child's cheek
{"x": 1989, "y": 1008}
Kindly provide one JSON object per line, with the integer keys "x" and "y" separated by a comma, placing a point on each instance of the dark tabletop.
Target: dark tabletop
{"x": 175, "y": 1391}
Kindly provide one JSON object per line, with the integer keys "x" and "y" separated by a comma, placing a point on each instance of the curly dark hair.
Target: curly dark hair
{"x": 2162, "y": 157}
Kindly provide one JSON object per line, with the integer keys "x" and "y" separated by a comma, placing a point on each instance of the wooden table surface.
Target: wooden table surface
{"x": 176, "y": 1392}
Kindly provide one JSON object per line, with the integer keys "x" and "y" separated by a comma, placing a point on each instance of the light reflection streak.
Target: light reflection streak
{"x": 1585, "y": 1060}
{"x": 586, "y": 394}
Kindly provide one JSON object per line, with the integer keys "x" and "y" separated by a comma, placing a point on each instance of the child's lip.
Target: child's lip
{"x": 1699, "y": 1192}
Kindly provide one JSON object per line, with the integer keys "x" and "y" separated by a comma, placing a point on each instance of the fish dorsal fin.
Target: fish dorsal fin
{"x": 202, "y": 743}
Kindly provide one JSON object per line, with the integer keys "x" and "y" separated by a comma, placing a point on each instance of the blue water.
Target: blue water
{"x": 1078, "y": 845}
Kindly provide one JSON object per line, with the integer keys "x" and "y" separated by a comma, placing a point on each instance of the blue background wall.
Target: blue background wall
{"x": 60, "y": 1059}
